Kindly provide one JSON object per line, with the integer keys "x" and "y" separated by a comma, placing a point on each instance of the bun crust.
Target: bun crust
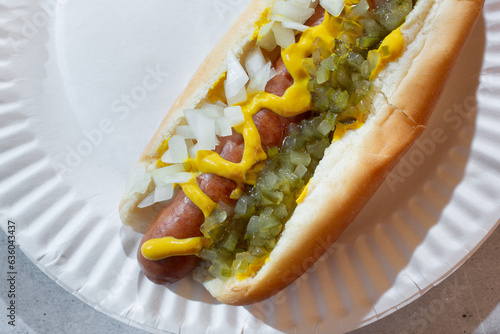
{"x": 403, "y": 96}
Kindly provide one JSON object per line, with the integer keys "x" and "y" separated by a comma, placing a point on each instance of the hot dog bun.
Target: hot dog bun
{"x": 403, "y": 97}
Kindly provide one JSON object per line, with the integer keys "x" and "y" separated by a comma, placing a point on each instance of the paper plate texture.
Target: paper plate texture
{"x": 84, "y": 85}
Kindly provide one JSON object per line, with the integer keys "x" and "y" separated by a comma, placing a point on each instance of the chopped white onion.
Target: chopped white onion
{"x": 266, "y": 39}
{"x": 193, "y": 150}
{"x": 235, "y": 80}
{"x": 160, "y": 194}
{"x": 240, "y": 96}
{"x": 177, "y": 178}
{"x": 258, "y": 70}
{"x": 189, "y": 144}
{"x": 334, "y": 7}
{"x": 314, "y": 3}
{"x": 293, "y": 11}
{"x": 284, "y": 37}
{"x": 223, "y": 127}
{"x": 177, "y": 150}
{"x": 139, "y": 180}
{"x": 279, "y": 18}
{"x": 147, "y": 201}
{"x": 294, "y": 25}
{"x": 254, "y": 61}
{"x": 221, "y": 104}
{"x": 166, "y": 157}
{"x": 163, "y": 193}
{"x": 259, "y": 80}
{"x": 203, "y": 128}
{"x": 160, "y": 173}
{"x": 185, "y": 131}
{"x": 211, "y": 113}
{"x": 206, "y": 137}
{"x": 302, "y": 3}
{"x": 234, "y": 115}
{"x": 212, "y": 110}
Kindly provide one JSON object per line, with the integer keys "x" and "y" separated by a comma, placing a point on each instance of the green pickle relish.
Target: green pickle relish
{"x": 339, "y": 83}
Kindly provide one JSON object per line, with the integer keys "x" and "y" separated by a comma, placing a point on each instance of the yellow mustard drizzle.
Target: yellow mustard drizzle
{"x": 263, "y": 20}
{"x": 303, "y": 193}
{"x": 199, "y": 198}
{"x": 161, "y": 248}
{"x": 391, "y": 48}
{"x": 162, "y": 149}
{"x": 216, "y": 92}
{"x": 253, "y": 268}
{"x": 341, "y": 129}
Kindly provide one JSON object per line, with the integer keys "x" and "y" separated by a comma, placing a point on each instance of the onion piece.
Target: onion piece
{"x": 147, "y": 201}
{"x": 279, "y": 18}
{"x": 160, "y": 173}
{"x": 223, "y": 127}
{"x": 185, "y": 131}
{"x": 236, "y": 80}
{"x": 293, "y": 11}
{"x": 254, "y": 61}
{"x": 334, "y": 7}
{"x": 284, "y": 37}
{"x": 160, "y": 194}
{"x": 166, "y": 157}
{"x": 272, "y": 73}
{"x": 211, "y": 113}
{"x": 193, "y": 150}
{"x": 177, "y": 178}
{"x": 266, "y": 39}
{"x": 221, "y": 104}
{"x": 203, "y": 128}
{"x": 138, "y": 181}
{"x": 303, "y": 3}
{"x": 314, "y": 4}
{"x": 294, "y": 25}
{"x": 234, "y": 115}
{"x": 189, "y": 144}
{"x": 259, "y": 80}
{"x": 212, "y": 110}
{"x": 240, "y": 96}
{"x": 259, "y": 71}
{"x": 163, "y": 193}
{"x": 177, "y": 150}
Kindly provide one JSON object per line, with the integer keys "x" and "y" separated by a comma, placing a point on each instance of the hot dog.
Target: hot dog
{"x": 368, "y": 116}
{"x": 181, "y": 218}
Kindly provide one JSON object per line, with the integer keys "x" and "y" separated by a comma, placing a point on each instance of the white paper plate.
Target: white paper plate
{"x": 83, "y": 85}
